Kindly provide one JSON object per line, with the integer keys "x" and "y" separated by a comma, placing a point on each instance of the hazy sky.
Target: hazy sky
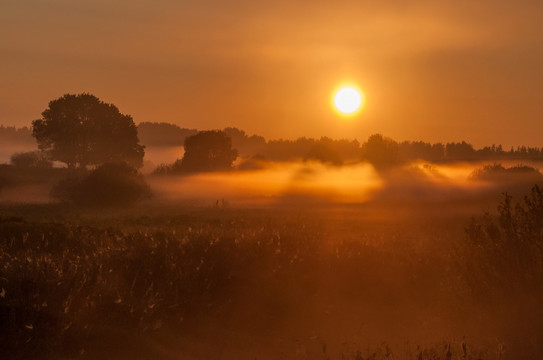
{"x": 430, "y": 70}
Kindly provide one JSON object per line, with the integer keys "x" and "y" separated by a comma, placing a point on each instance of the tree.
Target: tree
{"x": 321, "y": 152}
{"x": 382, "y": 152}
{"x": 82, "y": 130}
{"x": 207, "y": 151}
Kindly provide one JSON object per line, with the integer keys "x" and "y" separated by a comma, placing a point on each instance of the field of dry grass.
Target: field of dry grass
{"x": 185, "y": 282}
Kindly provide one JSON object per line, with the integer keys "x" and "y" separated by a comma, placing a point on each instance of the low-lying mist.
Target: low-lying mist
{"x": 305, "y": 182}
{"x": 291, "y": 260}
{"x": 469, "y": 186}
{"x": 274, "y": 182}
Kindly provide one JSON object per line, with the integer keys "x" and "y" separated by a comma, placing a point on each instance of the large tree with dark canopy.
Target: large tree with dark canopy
{"x": 82, "y": 130}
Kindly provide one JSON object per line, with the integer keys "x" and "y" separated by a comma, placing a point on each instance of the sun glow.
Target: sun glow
{"x": 348, "y": 100}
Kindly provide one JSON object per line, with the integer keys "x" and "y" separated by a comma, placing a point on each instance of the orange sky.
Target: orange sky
{"x": 430, "y": 70}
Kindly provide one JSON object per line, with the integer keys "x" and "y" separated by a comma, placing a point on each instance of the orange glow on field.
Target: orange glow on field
{"x": 277, "y": 182}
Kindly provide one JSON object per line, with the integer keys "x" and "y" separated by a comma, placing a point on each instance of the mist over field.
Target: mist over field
{"x": 306, "y": 182}
{"x": 301, "y": 258}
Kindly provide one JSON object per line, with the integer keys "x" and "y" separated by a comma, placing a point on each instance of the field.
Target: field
{"x": 292, "y": 261}
{"x": 222, "y": 282}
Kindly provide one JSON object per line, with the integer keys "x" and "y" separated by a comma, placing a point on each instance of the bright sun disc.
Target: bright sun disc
{"x": 348, "y": 100}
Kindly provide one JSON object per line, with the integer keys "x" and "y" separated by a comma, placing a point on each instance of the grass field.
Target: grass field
{"x": 414, "y": 272}
{"x": 232, "y": 283}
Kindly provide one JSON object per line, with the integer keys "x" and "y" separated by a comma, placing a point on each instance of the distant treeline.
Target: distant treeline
{"x": 377, "y": 148}
{"x": 11, "y": 134}
{"x": 163, "y": 134}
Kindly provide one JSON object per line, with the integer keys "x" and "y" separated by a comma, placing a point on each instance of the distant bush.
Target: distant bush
{"x": 499, "y": 173}
{"x": 31, "y": 159}
{"x": 108, "y": 185}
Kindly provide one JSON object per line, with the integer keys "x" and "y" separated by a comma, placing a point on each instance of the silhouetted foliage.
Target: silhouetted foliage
{"x": 324, "y": 154}
{"x": 81, "y": 130}
{"x": 347, "y": 150}
{"x": 499, "y": 173}
{"x": 111, "y": 184}
{"x": 244, "y": 144}
{"x": 419, "y": 150}
{"x": 503, "y": 262}
{"x": 285, "y": 150}
{"x": 288, "y": 150}
{"x": 206, "y": 151}
{"x": 508, "y": 250}
{"x": 460, "y": 151}
{"x": 380, "y": 151}
{"x": 34, "y": 159}
{"x": 11, "y": 134}
{"x": 163, "y": 134}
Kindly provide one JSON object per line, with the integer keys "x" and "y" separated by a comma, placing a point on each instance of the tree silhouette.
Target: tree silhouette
{"x": 382, "y": 152}
{"x": 81, "y": 130}
{"x": 322, "y": 153}
{"x": 207, "y": 151}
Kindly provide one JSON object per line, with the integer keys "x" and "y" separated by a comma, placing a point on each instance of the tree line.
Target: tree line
{"x": 89, "y": 135}
{"x": 377, "y": 148}
{"x": 81, "y": 130}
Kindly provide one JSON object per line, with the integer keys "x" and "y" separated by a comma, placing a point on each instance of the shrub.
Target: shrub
{"x": 110, "y": 184}
{"x": 499, "y": 173}
{"x": 31, "y": 159}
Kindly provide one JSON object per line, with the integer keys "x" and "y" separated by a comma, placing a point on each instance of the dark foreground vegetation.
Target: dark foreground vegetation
{"x": 215, "y": 283}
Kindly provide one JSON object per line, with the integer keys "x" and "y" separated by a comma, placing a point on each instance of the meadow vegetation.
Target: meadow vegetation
{"x": 281, "y": 282}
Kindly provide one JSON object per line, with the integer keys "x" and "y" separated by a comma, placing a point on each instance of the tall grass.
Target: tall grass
{"x": 228, "y": 283}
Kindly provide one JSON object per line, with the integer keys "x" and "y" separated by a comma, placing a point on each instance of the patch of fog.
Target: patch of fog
{"x": 156, "y": 155}
{"x": 307, "y": 184}
{"x": 419, "y": 184}
{"x": 276, "y": 182}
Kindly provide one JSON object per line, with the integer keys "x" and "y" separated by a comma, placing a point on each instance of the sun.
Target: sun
{"x": 348, "y": 100}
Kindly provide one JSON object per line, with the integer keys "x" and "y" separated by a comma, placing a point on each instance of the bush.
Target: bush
{"x": 110, "y": 184}
{"x": 499, "y": 173}
{"x": 503, "y": 267}
{"x": 510, "y": 247}
{"x": 31, "y": 159}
